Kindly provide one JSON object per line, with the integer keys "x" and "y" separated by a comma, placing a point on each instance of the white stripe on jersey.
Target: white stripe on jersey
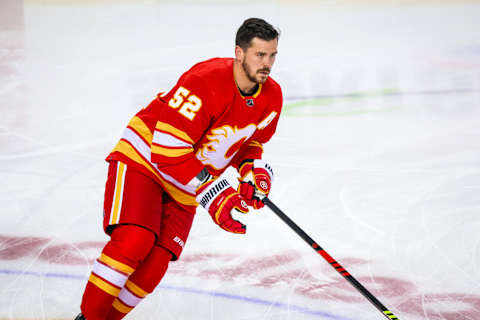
{"x": 144, "y": 149}
{"x": 167, "y": 140}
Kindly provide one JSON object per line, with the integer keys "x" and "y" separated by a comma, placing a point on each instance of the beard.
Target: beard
{"x": 252, "y": 76}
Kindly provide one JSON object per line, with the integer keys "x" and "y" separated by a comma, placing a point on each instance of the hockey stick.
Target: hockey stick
{"x": 354, "y": 282}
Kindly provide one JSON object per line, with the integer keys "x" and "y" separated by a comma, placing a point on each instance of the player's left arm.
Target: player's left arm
{"x": 266, "y": 128}
{"x": 256, "y": 175}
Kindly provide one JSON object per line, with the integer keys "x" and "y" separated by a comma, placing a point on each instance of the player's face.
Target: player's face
{"x": 258, "y": 59}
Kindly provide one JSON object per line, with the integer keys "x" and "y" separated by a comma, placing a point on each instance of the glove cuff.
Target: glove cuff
{"x": 262, "y": 164}
{"x": 208, "y": 192}
{"x": 199, "y": 180}
{"x": 245, "y": 167}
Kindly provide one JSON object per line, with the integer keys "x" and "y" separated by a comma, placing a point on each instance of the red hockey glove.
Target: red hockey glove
{"x": 255, "y": 182}
{"x": 219, "y": 198}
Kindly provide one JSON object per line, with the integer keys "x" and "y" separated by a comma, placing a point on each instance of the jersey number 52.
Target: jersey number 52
{"x": 188, "y": 103}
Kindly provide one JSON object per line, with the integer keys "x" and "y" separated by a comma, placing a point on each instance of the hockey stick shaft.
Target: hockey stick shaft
{"x": 344, "y": 273}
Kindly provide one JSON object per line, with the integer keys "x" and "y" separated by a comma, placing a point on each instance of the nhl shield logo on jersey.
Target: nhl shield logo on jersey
{"x": 249, "y": 102}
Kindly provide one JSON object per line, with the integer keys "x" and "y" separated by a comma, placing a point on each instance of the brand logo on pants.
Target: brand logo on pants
{"x": 179, "y": 241}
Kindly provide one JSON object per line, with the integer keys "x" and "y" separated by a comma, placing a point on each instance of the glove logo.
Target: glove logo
{"x": 264, "y": 185}
{"x": 243, "y": 204}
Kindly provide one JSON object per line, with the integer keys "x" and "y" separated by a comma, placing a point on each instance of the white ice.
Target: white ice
{"x": 377, "y": 157}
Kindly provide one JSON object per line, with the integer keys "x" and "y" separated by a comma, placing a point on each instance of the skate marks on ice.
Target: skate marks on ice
{"x": 271, "y": 273}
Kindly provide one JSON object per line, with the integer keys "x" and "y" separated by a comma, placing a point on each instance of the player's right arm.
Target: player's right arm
{"x": 182, "y": 117}
{"x": 185, "y": 115}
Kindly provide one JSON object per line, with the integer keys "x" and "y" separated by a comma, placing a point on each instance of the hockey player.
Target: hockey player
{"x": 170, "y": 159}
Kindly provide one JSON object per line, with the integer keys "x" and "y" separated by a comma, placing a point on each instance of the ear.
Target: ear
{"x": 239, "y": 53}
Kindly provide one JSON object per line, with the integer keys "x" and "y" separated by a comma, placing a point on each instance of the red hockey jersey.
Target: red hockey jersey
{"x": 204, "y": 121}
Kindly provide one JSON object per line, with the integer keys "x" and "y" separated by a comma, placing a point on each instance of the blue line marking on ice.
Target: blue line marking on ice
{"x": 275, "y": 304}
{"x": 43, "y": 274}
{"x": 280, "y": 305}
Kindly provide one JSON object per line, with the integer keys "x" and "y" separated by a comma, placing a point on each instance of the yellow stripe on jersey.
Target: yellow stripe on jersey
{"x": 255, "y": 144}
{"x": 118, "y": 193}
{"x": 105, "y": 286}
{"x": 117, "y": 265}
{"x": 241, "y": 168}
{"x": 171, "y": 152}
{"x": 258, "y": 91}
{"x": 139, "y": 126}
{"x": 173, "y": 131}
{"x": 179, "y": 195}
{"x": 265, "y": 122}
{"x": 117, "y": 304}
{"x": 139, "y": 292}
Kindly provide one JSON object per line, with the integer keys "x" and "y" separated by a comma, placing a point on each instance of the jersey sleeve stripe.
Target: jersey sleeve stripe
{"x": 172, "y": 188}
{"x": 133, "y": 147}
{"x": 144, "y": 154}
{"x": 141, "y": 129}
{"x": 167, "y": 140}
{"x": 171, "y": 152}
{"x": 167, "y": 128}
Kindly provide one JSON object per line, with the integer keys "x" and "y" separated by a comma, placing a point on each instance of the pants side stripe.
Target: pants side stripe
{"x": 118, "y": 195}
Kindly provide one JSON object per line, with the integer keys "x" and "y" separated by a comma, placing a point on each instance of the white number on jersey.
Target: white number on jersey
{"x": 189, "y": 103}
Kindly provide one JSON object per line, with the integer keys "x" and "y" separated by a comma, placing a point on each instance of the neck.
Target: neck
{"x": 241, "y": 79}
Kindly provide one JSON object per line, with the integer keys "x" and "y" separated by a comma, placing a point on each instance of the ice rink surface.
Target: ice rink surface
{"x": 377, "y": 157}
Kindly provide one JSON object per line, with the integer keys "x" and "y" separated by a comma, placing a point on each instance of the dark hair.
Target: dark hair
{"x": 255, "y": 27}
